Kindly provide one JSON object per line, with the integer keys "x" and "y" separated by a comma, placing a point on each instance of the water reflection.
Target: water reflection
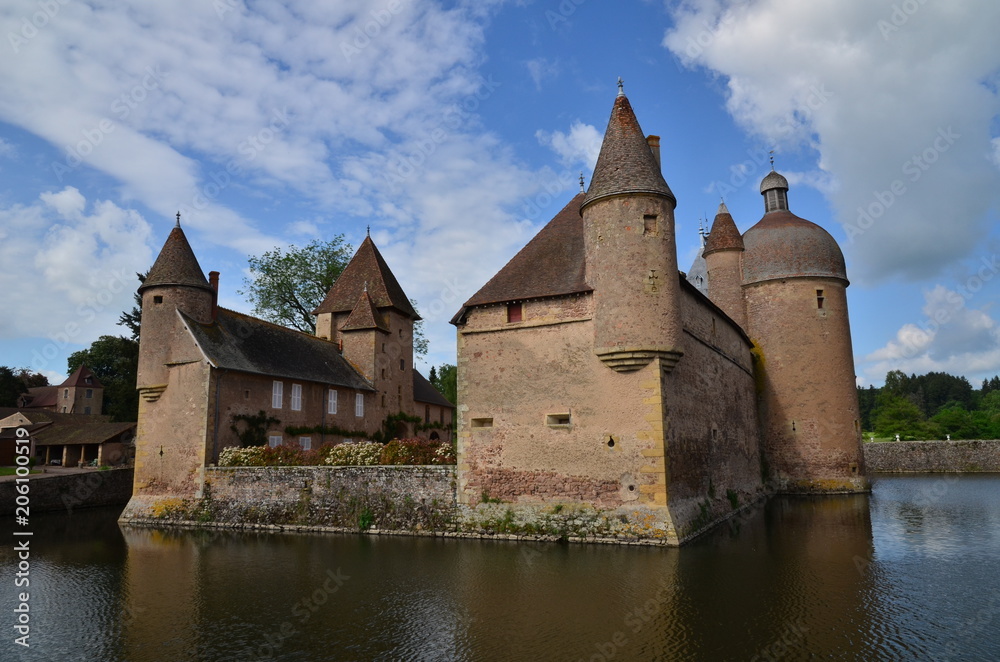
{"x": 905, "y": 574}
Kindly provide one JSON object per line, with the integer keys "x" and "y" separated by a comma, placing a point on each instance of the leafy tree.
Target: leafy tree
{"x": 955, "y": 420}
{"x": 11, "y": 387}
{"x": 286, "y": 285}
{"x": 894, "y": 414}
{"x": 133, "y": 318}
{"x": 446, "y": 381}
{"x": 31, "y": 379}
{"x": 115, "y": 362}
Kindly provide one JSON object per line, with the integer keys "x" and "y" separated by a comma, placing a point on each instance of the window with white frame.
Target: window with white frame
{"x": 277, "y": 391}
{"x": 274, "y": 440}
{"x": 331, "y": 401}
{"x": 306, "y": 443}
{"x": 359, "y": 405}
{"x": 296, "y": 397}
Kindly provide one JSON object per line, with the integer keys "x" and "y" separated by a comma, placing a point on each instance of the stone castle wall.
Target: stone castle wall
{"x": 933, "y": 456}
{"x": 49, "y": 492}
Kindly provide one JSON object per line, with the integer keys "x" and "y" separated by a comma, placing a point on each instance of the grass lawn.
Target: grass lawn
{"x": 9, "y": 471}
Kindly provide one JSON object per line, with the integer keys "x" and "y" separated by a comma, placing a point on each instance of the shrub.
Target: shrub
{"x": 417, "y": 451}
{"x": 361, "y": 453}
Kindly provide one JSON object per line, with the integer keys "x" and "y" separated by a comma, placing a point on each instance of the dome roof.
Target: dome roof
{"x": 782, "y": 245}
{"x": 773, "y": 180}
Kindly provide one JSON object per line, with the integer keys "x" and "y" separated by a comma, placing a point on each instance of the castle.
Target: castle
{"x": 591, "y": 371}
{"x": 206, "y": 372}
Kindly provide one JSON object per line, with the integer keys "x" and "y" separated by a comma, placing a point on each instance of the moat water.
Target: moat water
{"x": 911, "y": 572}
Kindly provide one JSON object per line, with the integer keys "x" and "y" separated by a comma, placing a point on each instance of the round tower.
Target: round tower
{"x": 795, "y": 290}
{"x": 723, "y": 252}
{"x": 631, "y": 254}
{"x": 175, "y": 282}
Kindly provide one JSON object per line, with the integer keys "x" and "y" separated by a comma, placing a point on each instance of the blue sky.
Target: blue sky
{"x": 456, "y": 130}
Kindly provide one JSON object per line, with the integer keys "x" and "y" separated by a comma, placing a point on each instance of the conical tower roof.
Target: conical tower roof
{"x": 367, "y": 270}
{"x": 80, "y": 376}
{"x": 176, "y": 264}
{"x": 626, "y": 163}
{"x": 724, "y": 235}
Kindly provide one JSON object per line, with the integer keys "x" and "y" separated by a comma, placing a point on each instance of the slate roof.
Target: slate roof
{"x": 365, "y": 316}
{"x": 176, "y": 265}
{"x": 782, "y": 245}
{"x": 246, "y": 344}
{"x": 724, "y": 235}
{"x": 626, "y": 163}
{"x": 551, "y": 264}
{"x": 79, "y": 378}
{"x": 82, "y": 432}
{"x": 367, "y": 267}
{"x": 424, "y": 391}
{"x": 773, "y": 180}
{"x": 41, "y": 396}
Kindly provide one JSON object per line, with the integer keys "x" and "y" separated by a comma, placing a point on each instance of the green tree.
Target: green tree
{"x": 31, "y": 379}
{"x": 895, "y": 414}
{"x": 133, "y": 318}
{"x": 286, "y": 285}
{"x": 115, "y": 362}
{"x": 11, "y": 387}
{"x": 445, "y": 379}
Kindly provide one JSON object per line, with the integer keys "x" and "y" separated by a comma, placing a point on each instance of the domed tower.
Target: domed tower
{"x": 631, "y": 254}
{"x": 723, "y": 252}
{"x": 175, "y": 281}
{"x": 794, "y": 286}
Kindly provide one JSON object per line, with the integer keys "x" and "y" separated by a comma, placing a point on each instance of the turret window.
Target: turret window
{"x": 514, "y": 312}
{"x": 157, "y": 299}
{"x": 819, "y": 299}
{"x": 649, "y": 225}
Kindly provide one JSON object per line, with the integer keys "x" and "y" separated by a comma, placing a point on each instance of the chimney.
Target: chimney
{"x": 213, "y": 280}
{"x": 654, "y": 147}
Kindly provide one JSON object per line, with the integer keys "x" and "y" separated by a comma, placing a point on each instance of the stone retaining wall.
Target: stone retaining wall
{"x": 932, "y": 456}
{"x": 47, "y": 492}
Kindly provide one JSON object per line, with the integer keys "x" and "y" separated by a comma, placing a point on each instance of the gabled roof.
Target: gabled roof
{"x": 551, "y": 264}
{"x": 724, "y": 235}
{"x": 626, "y": 163}
{"x": 40, "y": 396}
{"x": 80, "y": 377}
{"x": 366, "y": 270}
{"x": 176, "y": 265}
{"x": 424, "y": 391}
{"x": 246, "y": 344}
{"x": 82, "y": 431}
{"x": 365, "y": 316}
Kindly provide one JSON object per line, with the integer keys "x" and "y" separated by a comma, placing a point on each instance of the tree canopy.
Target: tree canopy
{"x": 445, "y": 380}
{"x": 11, "y": 387}
{"x": 115, "y": 361}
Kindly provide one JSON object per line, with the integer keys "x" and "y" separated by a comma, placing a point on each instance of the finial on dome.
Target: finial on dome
{"x": 621, "y": 87}
{"x": 178, "y": 220}
{"x": 771, "y": 153}
{"x": 368, "y": 230}
{"x": 581, "y": 182}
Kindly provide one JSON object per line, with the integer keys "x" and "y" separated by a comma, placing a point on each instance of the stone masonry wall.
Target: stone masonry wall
{"x": 933, "y": 456}
{"x": 53, "y": 492}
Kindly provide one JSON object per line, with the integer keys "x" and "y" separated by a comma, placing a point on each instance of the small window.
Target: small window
{"x": 64, "y": 410}
{"x": 88, "y": 380}
{"x": 359, "y": 405}
{"x": 296, "y": 397}
{"x": 274, "y": 440}
{"x": 557, "y": 420}
{"x": 305, "y": 443}
{"x": 649, "y": 224}
{"x": 65, "y": 393}
{"x": 383, "y": 399}
{"x": 819, "y": 299}
{"x": 402, "y": 364}
{"x": 383, "y": 373}
{"x": 331, "y": 401}
{"x": 157, "y": 299}
{"x": 427, "y": 413}
{"x": 399, "y": 395}
{"x": 246, "y": 394}
{"x": 277, "y": 392}
{"x": 515, "y": 313}
{"x": 482, "y": 422}
{"x": 86, "y": 410}
{"x": 90, "y": 393}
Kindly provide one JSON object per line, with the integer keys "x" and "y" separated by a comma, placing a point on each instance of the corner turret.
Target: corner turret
{"x": 723, "y": 252}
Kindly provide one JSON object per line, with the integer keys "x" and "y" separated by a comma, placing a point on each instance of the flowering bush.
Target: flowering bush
{"x": 234, "y": 456}
{"x": 362, "y": 453}
{"x": 417, "y": 451}
{"x": 265, "y": 456}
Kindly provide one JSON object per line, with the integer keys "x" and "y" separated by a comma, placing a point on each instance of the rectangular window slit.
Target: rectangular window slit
{"x": 482, "y": 422}
{"x": 557, "y": 420}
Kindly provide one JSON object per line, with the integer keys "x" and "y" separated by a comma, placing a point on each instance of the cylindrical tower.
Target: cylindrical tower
{"x": 175, "y": 282}
{"x": 723, "y": 252}
{"x": 628, "y": 220}
{"x": 794, "y": 285}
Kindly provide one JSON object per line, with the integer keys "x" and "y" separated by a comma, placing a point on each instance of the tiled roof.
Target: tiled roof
{"x": 176, "y": 265}
{"x": 424, "y": 391}
{"x": 82, "y": 431}
{"x": 239, "y": 342}
{"x": 80, "y": 376}
{"x": 366, "y": 268}
{"x": 41, "y": 396}
{"x": 782, "y": 245}
{"x": 365, "y": 316}
{"x": 724, "y": 235}
{"x": 551, "y": 264}
{"x": 626, "y": 163}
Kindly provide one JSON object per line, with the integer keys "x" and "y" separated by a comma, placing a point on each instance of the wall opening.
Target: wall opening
{"x": 819, "y": 299}
{"x": 557, "y": 420}
{"x": 157, "y": 299}
{"x": 611, "y": 441}
{"x": 649, "y": 225}
{"x": 482, "y": 422}
{"x": 515, "y": 312}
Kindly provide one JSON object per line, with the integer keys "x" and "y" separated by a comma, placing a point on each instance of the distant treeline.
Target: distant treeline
{"x": 931, "y": 406}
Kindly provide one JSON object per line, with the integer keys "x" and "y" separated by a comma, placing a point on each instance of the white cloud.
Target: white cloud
{"x": 7, "y": 150}
{"x": 541, "y": 69}
{"x": 581, "y": 145}
{"x": 885, "y": 100}
{"x": 952, "y": 338}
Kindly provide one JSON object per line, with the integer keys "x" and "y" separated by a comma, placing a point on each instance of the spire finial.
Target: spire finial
{"x": 772, "y": 159}
{"x": 178, "y": 220}
{"x": 368, "y": 229}
{"x": 366, "y": 286}
{"x": 621, "y": 87}
{"x": 581, "y": 182}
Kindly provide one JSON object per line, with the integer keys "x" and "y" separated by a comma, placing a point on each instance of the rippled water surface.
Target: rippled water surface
{"x": 910, "y": 573}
